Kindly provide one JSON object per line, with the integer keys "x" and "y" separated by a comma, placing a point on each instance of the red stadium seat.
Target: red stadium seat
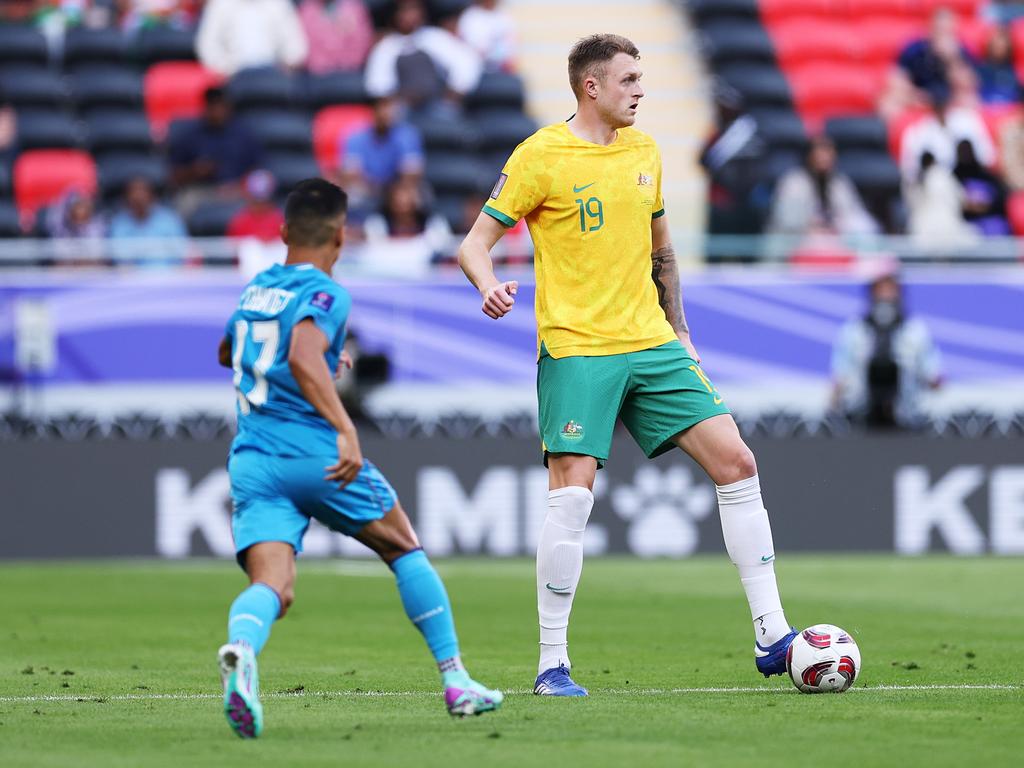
{"x": 802, "y": 39}
{"x": 174, "y": 90}
{"x": 881, "y": 40}
{"x": 826, "y": 90}
{"x": 893, "y": 10}
{"x": 1017, "y": 37}
{"x": 333, "y": 124}
{"x": 43, "y": 176}
{"x": 778, "y": 10}
{"x": 1015, "y": 212}
{"x": 962, "y": 8}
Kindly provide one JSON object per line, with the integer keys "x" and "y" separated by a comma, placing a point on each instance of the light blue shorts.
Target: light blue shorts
{"x": 275, "y": 497}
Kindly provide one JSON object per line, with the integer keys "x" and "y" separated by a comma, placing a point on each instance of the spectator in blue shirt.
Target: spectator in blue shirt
{"x": 143, "y": 219}
{"x": 381, "y": 153}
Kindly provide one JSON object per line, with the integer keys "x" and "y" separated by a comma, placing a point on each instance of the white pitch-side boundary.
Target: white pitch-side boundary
{"x": 519, "y": 692}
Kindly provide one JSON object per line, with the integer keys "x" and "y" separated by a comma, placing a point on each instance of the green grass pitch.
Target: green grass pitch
{"x": 112, "y": 664}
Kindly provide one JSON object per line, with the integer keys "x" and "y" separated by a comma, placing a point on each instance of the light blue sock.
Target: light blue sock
{"x": 251, "y": 615}
{"x": 427, "y": 606}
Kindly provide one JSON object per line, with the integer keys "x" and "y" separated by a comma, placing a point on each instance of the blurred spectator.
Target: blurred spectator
{"x": 8, "y": 131}
{"x": 939, "y": 133}
{"x": 882, "y": 362}
{"x": 211, "y": 154}
{"x": 734, "y": 158}
{"x": 984, "y": 199}
{"x": 260, "y": 218}
{"x": 816, "y": 197}
{"x": 935, "y": 208}
{"x": 75, "y": 216}
{"x": 404, "y": 234}
{"x": 143, "y": 218}
{"x": 242, "y": 34}
{"x": 427, "y": 67}
{"x": 927, "y": 62}
{"x": 997, "y": 79}
{"x": 490, "y": 32}
{"x": 340, "y": 33}
{"x": 1011, "y": 151}
{"x": 380, "y": 153}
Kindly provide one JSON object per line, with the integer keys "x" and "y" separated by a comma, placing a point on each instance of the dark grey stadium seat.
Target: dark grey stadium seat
{"x": 5, "y": 181}
{"x": 453, "y": 209}
{"x": 872, "y": 171}
{"x": 261, "y": 88}
{"x": 446, "y": 9}
{"x": 102, "y": 87}
{"x": 502, "y": 129}
{"x": 857, "y": 133}
{"x": 781, "y": 128}
{"x": 497, "y": 89}
{"x": 727, "y": 43}
{"x": 706, "y": 10}
{"x": 281, "y": 130}
{"x": 10, "y": 223}
{"x": 28, "y": 87}
{"x": 116, "y": 130}
{"x": 336, "y": 88}
{"x": 447, "y": 133}
{"x": 48, "y": 130}
{"x": 116, "y": 170}
{"x": 779, "y": 162}
{"x": 450, "y": 173}
{"x": 760, "y": 85}
{"x": 164, "y": 43}
{"x": 88, "y": 47}
{"x": 290, "y": 168}
{"x": 23, "y": 45}
{"x": 212, "y": 218}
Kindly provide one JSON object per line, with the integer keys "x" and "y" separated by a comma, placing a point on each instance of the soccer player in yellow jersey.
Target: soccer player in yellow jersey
{"x": 613, "y": 341}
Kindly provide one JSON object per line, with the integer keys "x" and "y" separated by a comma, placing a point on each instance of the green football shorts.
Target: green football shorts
{"x": 658, "y": 393}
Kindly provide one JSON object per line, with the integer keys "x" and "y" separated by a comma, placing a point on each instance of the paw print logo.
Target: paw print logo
{"x": 662, "y": 508}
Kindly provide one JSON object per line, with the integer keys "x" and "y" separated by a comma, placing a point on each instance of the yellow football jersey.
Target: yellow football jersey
{"x": 589, "y": 209}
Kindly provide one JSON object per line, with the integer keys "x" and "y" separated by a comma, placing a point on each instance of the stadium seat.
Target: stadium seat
{"x": 822, "y": 91}
{"x": 866, "y": 132}
{"x": 779, "y": 162}
{"x": 23, "y": 45}
{"x": 331, "y": 126}
{"x": 10, "y": 221}
{"x": 1015, "y": 212}
{"x": 164, "y": 43}
{"x": 117, "y": 169}
{"x": 453, "y": 209}
{"x": 261, "y": 88}
{"x": 502, "y": 129}
{"x": 174, "y": 90}
{"x": 49, "y": 129}
{"x": 94, "y": 87}
{"x": 880, "y": 40}
{"x": 872, "y": 172}
{"x": 211, "y": 219}
{"x": 24, "y": 87}
{"x": 1017, "y": 36}
{"x": 452, "y": 132}
{"x": 706, "y": 10}
{"x": 804, "y": 39}
{"x": 86, "y": 47}
{"x": 336, "y": 88}
{"x": 894, "y": 10}
{"x": 975, "y": 34}
{"x": 5, "y": 181}
{"x": 773, "y": 11}
{"x": 727, "y": 43}
{"x": 781, "y": 128}
{"x": 114, "y": 130}
{"x": 446, "y": 9}
{"x": 452, "y": 173}
{"x": 497, "y": 89}
{"x": 42, "y": 176}
{"x": 760, "y": 85}
{"x": 275, "y": 130}
{"x": 289, "y": 168}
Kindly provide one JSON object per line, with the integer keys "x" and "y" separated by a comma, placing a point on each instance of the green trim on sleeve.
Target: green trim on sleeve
{"x": 658, "y": 214}
{"x": 496, "y": 214}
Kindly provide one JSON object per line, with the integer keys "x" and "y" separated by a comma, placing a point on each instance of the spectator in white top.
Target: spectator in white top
{"x": 939, "y": 133}
{"x": 490, "y": 32}
{"x": 241, "y": 34}
{"x": 426, "y": 67}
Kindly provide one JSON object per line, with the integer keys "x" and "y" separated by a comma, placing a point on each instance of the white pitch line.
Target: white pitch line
{"x": 87, "y": 698}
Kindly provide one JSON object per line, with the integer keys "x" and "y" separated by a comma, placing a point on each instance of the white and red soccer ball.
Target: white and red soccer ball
{"x": 823, "y": 659}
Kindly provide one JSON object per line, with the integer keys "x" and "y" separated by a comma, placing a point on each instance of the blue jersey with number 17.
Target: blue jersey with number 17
{"x": 273, "y": 415}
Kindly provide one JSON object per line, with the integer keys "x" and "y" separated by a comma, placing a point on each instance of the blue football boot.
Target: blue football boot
{"x": 772, "y": 660}
{"x": 556, "y": 682}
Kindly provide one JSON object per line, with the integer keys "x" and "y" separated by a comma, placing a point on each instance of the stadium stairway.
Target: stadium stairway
{"x": 675, "y": 110}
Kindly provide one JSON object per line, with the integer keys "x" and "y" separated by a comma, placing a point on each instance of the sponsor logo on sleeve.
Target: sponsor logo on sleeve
{"x": 322, "y": 300}
{"x": 499, "y": 185}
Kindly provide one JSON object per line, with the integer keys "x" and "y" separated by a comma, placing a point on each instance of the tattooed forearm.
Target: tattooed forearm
{"x": 665, "y": 273}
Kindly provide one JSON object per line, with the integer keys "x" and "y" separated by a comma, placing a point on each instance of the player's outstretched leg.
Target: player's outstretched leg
{"x": 426, "y": 604}
{"x": 716, "y": 445}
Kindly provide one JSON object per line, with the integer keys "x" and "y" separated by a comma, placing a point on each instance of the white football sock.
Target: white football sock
{"x": 748, "y": 539}
{"x": 559, "y": 565}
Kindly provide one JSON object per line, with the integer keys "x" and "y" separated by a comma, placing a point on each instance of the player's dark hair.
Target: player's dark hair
{"x": 590, "y": 54}
{"x": 312, "y": 210}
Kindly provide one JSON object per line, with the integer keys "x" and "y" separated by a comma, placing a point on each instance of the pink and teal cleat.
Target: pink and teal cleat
{"x": 240, "y": 678}
{"x": 464, "y": 696}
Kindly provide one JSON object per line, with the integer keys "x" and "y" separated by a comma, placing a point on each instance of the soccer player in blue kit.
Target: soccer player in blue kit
{"x": 297, "y": 456}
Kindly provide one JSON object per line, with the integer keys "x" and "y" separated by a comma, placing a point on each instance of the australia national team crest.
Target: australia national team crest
{"x": 322, "y": 300}
{"x": 643, "y": 180}
{"x": 572, "y": 430}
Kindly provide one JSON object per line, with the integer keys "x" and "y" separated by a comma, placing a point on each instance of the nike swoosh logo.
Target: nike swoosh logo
{"x": 767, "y": 558}
{"x": 566, "y": 588}
{"x": 580, "y": 189}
